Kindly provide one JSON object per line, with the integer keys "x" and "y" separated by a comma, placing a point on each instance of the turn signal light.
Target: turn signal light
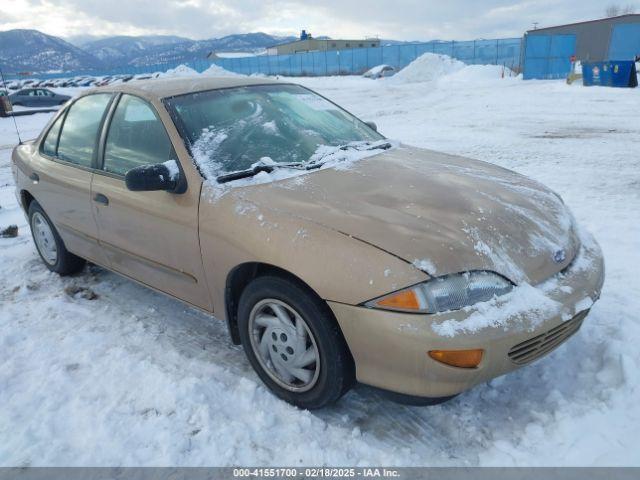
{"x": 406, "y": 300}
{"x": 458, "y": 358}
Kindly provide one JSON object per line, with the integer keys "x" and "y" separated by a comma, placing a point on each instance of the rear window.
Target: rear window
{"x": 50, "y": 144}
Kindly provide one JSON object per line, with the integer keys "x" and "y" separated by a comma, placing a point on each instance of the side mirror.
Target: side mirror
{"x": 165, "y": 176}
{"x": 372, "y": 125}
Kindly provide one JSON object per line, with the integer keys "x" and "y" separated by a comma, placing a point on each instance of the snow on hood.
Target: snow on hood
{"x": 444, "y": 214}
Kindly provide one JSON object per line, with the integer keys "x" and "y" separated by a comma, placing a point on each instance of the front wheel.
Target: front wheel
{"x": 49, "y": 244}
{"x": 293, "y": 342}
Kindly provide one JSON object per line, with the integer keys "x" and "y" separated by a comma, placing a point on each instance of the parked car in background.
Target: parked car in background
{"x": 101, "y": 82}
{"x": 87, "y": 82}
{"x": 37, "y": 97}
{"x": 380, "y": 71}
{"x": 413, "y": 271}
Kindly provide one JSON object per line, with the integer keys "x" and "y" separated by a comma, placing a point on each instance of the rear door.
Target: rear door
{"x": 62, "y": 172}
{"x": 151, "y": 237}
{"x": 45, "y": 98}
{"x": 34, "y": 99}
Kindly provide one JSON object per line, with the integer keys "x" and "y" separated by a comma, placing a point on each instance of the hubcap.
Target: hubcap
{"x": 284, "y": 345}
{"x": 45, "y": 241}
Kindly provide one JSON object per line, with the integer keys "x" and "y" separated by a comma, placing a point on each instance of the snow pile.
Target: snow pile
{"x": 427, "y": 68}
{"x": 431, "y": 67}
{"x": 217, "y": 71}
{"x": 180, "y": 71}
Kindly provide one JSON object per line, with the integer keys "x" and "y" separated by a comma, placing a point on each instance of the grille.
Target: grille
{"x": 536, "y": 347}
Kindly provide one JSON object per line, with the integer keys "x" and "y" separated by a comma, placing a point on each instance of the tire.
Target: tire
{"x": 46, "y": 239}
{"x": 331, "y": 373}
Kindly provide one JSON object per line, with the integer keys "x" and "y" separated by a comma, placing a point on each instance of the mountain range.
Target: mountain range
{"x": 36, "y": 52}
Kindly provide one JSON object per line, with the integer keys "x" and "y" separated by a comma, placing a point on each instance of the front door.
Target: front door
{"x": 151, "y": 237}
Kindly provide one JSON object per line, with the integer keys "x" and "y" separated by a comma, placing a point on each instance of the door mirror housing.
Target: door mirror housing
{"x": 165, "y": 176}
{"x": 372, "y": 125}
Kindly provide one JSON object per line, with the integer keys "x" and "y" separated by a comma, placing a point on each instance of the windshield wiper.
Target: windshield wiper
{"x": 250, "y": 172}
{"x": 316, "y": 163}
{"x": 361, "y": 147}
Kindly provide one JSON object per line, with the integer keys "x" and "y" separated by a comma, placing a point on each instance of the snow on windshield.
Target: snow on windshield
{"x": 230, "y": 130}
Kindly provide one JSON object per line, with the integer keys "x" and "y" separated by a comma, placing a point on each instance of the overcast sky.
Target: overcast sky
{"x": 392, "y": 19}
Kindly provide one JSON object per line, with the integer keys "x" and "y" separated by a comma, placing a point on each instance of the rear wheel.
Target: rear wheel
{"x": 293, "y": 342}
{"x": 49, "y": 245}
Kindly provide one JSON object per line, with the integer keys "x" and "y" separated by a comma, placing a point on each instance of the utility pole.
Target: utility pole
{"x": 535, "y": 25}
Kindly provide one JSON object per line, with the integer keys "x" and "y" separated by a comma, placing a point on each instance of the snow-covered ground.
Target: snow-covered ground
{"x": 134, "y": 378}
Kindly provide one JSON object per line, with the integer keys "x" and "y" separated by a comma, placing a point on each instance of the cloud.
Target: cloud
{"x": 400, "y": 19}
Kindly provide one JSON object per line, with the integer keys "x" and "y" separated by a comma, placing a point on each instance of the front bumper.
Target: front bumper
{"x": 390, "y": 348}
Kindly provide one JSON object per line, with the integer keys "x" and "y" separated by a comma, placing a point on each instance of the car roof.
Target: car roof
{"x": 159, "y": 88}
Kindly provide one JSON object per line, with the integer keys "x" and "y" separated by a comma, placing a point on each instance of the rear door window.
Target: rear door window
{"x": 78, "y": 138}
{"x": 136, "y": 137}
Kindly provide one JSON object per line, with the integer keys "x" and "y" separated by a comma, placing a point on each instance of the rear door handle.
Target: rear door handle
{"x": 100, "y": 198}
{"x": 35, "y": 177}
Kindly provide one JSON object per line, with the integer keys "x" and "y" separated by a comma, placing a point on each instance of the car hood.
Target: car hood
{"x": 443, "y": 213}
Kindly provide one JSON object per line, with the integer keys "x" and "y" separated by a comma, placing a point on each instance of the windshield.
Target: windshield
{"x": 232, "y": 129}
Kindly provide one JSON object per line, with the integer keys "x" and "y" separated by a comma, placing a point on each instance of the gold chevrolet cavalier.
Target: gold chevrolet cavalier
{"x": 333, "y": 254}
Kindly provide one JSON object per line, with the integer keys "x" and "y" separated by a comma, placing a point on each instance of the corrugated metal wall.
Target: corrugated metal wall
{"x": 615, "y": 38}
{"x": 548, "y": 56}
{"x": 625, "y": 42}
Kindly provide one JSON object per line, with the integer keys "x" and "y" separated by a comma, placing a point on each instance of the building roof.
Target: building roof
{"x": 323, "y": 39}
{"x": 606, "y": 19}
{"x": 160, "y": 88}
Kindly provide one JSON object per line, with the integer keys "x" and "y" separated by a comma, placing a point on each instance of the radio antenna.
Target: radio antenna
{"x": 15, "y": 124}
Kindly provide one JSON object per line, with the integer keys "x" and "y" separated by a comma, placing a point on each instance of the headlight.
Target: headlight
{"x": 451, "y": 292}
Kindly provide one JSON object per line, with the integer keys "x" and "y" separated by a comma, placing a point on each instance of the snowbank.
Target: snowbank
{"x": 431, "y": 67}
{"x": 217, "y": 71}
{"x": 180, "y": 71}
{"x": 427, "y": 68}
{"x": 185, "y": 71}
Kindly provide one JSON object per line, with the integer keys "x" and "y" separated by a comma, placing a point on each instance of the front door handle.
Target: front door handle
{"x": 34, "y": 177}
{"x": 100, "y": 198}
